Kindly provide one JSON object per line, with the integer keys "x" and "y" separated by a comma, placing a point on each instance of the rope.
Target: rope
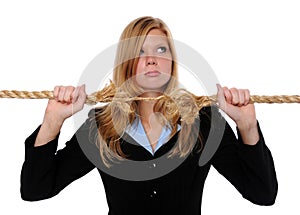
{"x": 107, "y": 94}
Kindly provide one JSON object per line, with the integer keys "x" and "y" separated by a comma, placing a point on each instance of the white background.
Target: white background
{"x": 249, "y": 44}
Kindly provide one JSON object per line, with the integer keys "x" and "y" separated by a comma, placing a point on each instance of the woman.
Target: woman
{"x": 146, "y": 66}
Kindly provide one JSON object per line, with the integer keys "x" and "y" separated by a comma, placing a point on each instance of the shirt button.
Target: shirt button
{"x": 153, "y": 194}
{"x": 153, "y": 165}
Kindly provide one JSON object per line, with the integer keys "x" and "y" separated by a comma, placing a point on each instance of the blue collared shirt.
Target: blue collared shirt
{"x": 137, "y": 132}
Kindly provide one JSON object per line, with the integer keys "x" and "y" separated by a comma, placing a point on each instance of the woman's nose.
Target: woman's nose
{"x": 151, "y": 60}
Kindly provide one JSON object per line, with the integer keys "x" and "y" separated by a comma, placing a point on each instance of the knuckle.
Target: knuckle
{"x": 62, "y": 89}
{"x": 55, "y": 91}
{"x": 70, "y": 88}
{"x": 56, "y": 88}
{"x": 233, "y": 89}
{"x": 247, "y": 91}
{"x": 235, "y": 101}
{"x": 241, "y": 93}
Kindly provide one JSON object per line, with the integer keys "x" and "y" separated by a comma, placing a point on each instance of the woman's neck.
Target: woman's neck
{"x": 151, "y": 124}
{"x": 145, "y": 109}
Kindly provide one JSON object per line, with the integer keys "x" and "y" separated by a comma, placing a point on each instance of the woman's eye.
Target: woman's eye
{"x": 161, "y": 49}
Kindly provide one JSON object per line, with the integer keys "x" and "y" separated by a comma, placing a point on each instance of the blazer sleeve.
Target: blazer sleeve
{"x": 250, "y": 169}
{"x": 46, "y": 171}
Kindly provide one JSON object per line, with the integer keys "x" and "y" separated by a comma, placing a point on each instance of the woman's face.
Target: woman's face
{"x": 154, "y": 67}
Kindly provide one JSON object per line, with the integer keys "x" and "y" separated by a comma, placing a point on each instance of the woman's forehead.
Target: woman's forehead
{"x": 155, "y": 36}
{"x": 156, "y": 32}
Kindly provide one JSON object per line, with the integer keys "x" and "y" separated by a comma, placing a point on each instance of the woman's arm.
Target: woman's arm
{"x": 246, "y": 162}
{"x": 249, "y": 168}
{"x": 236, "y": 104}
{"x": 68, "y": 101}
{"x": 46, "y": 172}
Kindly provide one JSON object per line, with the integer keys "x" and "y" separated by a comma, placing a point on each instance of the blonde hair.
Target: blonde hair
{"x": 113, "y": 118}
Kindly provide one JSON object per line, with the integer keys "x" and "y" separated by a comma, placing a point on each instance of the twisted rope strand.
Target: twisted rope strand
{"x": 107, "y": 95}
{"x": 276, "y": 99}
{"x": 26, "y": 94}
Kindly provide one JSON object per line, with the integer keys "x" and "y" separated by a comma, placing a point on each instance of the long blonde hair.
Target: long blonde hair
{"x": 113, "y": 118}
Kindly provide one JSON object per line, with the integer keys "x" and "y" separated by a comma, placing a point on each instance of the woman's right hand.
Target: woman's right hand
{"x": 67, "y": 101}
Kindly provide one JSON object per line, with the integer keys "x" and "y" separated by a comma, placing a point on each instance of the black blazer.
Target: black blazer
{"x": 250, "y": 169}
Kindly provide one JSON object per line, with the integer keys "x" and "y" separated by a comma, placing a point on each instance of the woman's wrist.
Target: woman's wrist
{"x": 48, "y": 131}
{"x": 249, "y": 132}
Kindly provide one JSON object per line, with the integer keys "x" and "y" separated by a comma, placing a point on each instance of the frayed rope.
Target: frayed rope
{"x": 107, "y": 94}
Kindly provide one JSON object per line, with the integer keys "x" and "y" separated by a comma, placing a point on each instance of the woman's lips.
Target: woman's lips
{"x": 152, "y": 73}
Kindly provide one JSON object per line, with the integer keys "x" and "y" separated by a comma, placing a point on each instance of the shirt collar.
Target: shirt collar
{"x": 137, "y": 132}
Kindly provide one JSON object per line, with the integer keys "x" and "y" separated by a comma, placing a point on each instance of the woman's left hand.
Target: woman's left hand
{"x": 236, "y": 104}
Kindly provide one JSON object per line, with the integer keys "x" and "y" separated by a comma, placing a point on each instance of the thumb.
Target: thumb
{"x": 82, "y": 94}
{"x": 221, "y": 97}
{"x": 78, "y": 105}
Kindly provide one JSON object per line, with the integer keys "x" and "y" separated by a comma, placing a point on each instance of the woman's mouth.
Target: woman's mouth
{"x": 152, "y": 73}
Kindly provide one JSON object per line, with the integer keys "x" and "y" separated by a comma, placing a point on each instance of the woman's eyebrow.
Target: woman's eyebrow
{"x": 162, "y": 44}
{"x": 156, "y": 44}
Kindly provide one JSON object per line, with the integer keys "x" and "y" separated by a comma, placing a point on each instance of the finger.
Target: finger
{"x": 61, "y": 93}
{"x": 235, "y": 96}
{"x": 68, "y": 94}
{"x": 75, "y": 95}
{"x": 247, "y": 97}
{"x": 241, "y": 98}
{"x": 55, "y": 92}
{"x": 228, "y": 95}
